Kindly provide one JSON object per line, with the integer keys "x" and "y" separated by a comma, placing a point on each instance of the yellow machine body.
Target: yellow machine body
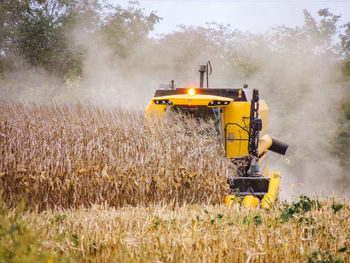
{"x": 235, "y": 116}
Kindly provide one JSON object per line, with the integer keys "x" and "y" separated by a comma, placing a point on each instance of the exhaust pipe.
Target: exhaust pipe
{"x": 202, "y": 70}
{"x": 205, "y": 69}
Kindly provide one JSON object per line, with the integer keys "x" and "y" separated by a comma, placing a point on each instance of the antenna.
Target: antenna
{"x": 209, "y": 68}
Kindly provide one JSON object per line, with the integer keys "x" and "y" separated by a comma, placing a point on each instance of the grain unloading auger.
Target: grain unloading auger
{"x": 239, "y": 123}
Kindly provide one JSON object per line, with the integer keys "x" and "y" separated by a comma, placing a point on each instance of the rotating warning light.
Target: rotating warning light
{"x": 191, "y": 92}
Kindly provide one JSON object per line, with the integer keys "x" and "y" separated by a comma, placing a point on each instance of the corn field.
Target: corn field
{"x": 103, "y": 185}
{"x": 72, "y": 156}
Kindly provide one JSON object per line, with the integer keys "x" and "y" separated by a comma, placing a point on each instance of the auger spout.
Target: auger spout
{"x": 267, "y": 142}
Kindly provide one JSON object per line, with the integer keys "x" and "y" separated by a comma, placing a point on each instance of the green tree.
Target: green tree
{"x": 124, "y": 29}
{"x": 35, "y": 31}
{"x": 48, "y": 33}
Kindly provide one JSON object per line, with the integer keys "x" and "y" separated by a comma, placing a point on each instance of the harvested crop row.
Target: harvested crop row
{"x": 302, "y": 231}
{"x": 68, "y": 156}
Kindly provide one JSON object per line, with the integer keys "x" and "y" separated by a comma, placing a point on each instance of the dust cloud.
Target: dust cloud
{"x": 303, "y": 88}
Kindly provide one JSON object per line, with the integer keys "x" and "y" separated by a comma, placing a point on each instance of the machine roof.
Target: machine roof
{"x": 195, "y": 97}
{"x": 228, "y": 93}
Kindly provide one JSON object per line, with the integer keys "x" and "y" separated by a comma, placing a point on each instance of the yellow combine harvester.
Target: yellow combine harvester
{"x": 239, "y": 124}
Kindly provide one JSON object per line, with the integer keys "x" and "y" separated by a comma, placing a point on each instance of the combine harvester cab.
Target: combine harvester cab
{"x": 240, "y": 123}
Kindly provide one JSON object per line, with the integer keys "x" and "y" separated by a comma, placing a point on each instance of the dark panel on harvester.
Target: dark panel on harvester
{"x": 165, "y": 92}
{"x": 228, "y": 93}
{"x": 258, "y": 186}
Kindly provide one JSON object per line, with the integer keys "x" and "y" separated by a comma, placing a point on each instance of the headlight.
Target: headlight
{"x": 218, "y": 102}
{"x": 163, "y": 102}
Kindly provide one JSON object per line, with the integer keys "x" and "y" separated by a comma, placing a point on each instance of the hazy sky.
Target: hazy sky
{"x": 251, "y": 15}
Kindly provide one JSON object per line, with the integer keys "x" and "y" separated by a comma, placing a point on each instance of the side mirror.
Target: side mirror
{"x": 257, "y": 124}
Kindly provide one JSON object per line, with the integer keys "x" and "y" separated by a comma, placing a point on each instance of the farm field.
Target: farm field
{"x": 88, "y": 173}
{"x": 303, "y": 231}
{"x": 95, "y": 184}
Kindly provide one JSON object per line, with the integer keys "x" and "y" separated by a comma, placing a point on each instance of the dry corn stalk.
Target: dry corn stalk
{"x": 76, "y": 155}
